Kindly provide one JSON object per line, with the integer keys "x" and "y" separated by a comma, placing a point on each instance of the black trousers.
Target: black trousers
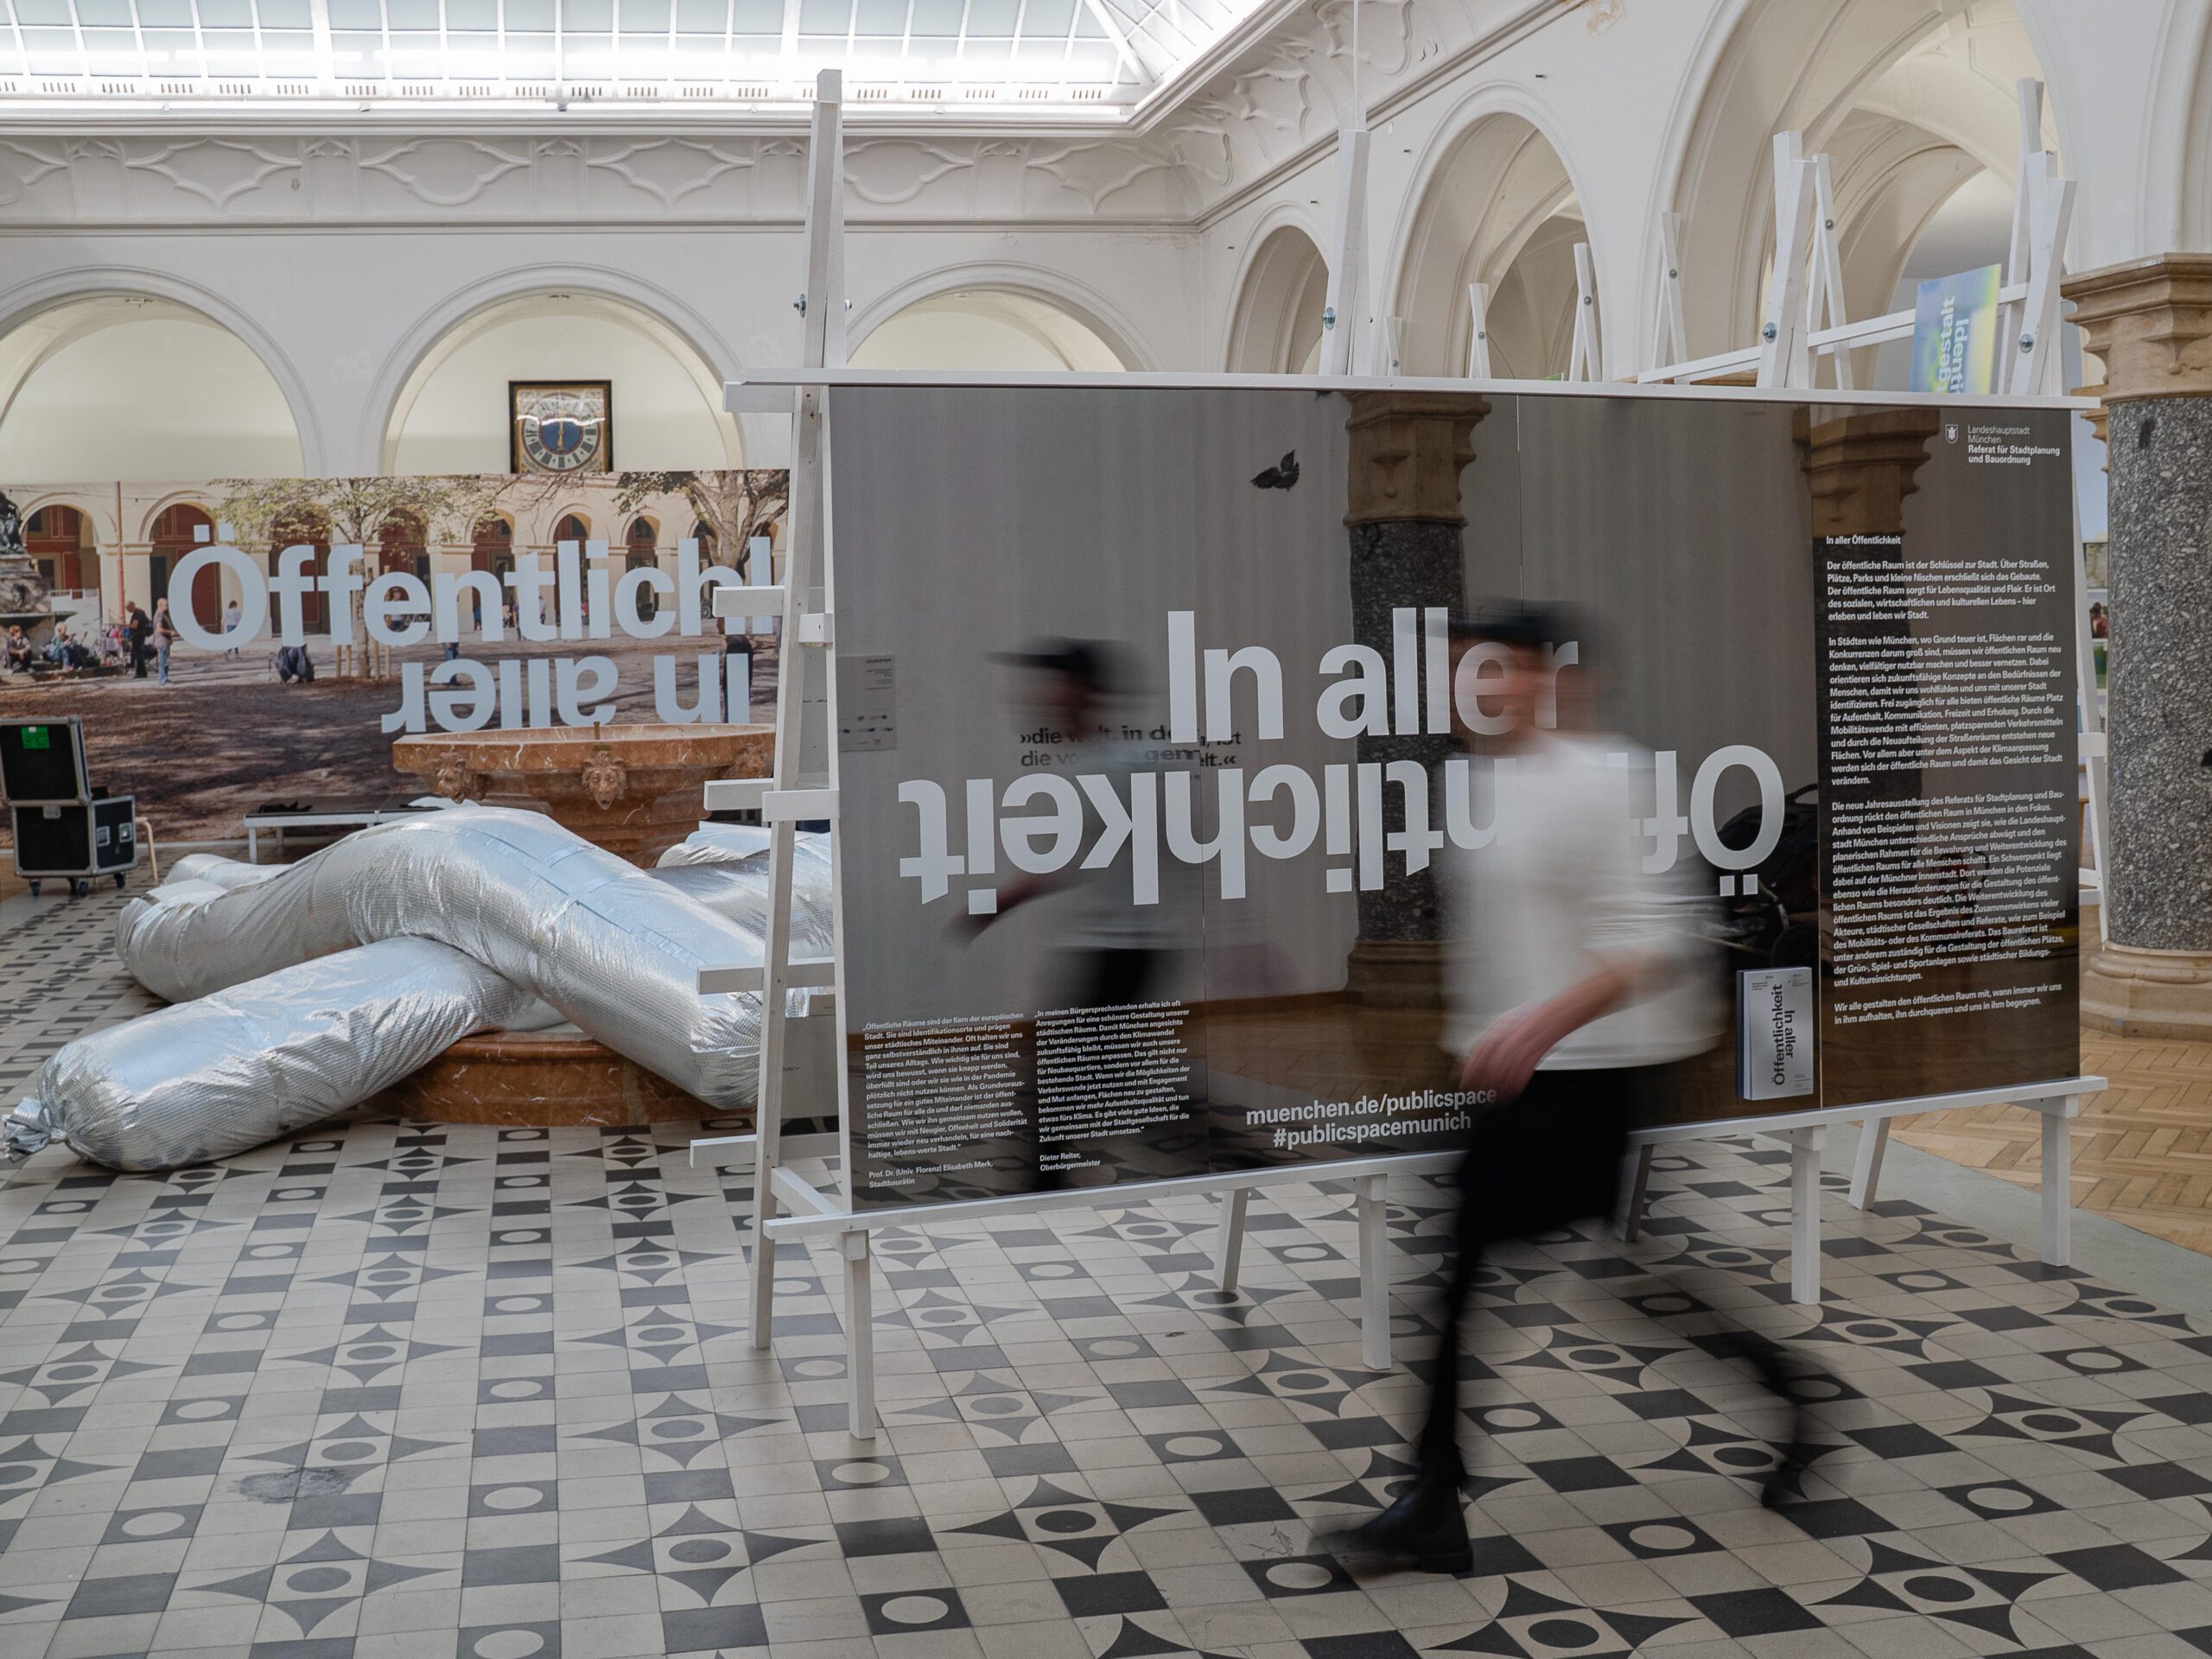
{"x": 1545, "y": 1159}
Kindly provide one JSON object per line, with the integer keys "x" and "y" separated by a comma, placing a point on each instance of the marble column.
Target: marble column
{"x": 1408, "y": 449}
{"x": 2150, "y": 322}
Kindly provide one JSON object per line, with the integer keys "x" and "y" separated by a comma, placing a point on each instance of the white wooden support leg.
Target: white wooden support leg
{"x": 1866, "y": 1162}
{"x": 2058, "y": 1179}
{"x": 860, "y": 1337}
{"x": 1805, "y": 1146}
{"x": 1373, "y": 1210}
{"x": 1636, "y": 1187}
{"x": 1228, "y": 1249}
{"x": 764, "y": 1259}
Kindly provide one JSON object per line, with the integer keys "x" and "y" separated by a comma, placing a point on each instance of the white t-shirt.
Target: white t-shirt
{"x": 1561, "y": 888}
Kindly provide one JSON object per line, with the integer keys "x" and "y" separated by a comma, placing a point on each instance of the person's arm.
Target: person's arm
{"x": 1510, "y": 1050}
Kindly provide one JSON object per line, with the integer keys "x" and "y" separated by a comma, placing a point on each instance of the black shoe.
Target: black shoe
{"x": 1784, "y": 1373}
{"x": 1426, "y": 1529}
{"x": 1793, "y": 1453}
{"x": 1785, "y": 1483}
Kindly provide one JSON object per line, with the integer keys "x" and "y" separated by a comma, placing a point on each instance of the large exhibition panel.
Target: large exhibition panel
{"x": 1157, "y": 757}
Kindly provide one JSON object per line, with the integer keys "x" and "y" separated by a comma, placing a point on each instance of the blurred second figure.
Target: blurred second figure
{"x": 1578, "y": 990}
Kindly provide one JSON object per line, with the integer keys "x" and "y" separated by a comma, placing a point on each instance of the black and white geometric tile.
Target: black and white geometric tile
{"x": 395, "y": 1390}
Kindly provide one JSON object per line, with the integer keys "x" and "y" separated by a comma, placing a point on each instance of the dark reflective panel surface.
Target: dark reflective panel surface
{"x": 1177, "y": 814}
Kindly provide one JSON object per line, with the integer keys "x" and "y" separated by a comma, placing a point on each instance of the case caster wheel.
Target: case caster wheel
{"x": 81, "y": 888}
{"x": 119, "y": 882}
{"x": 34, "y": 889}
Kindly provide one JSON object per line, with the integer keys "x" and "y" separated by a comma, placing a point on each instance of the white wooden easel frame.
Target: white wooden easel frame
{"x": 2057, "y": 1103}
{"x": 1670, "y": 341}
{"x": 1345, "y": 307}
{"x": 1585, "y": 357}
{"x": 1808, "y": 277}
{"x": 789, "y": 796}
{"x": 789, "y": 1205}
{"x": 1478, "y": 331}
{"x": 1824, "y": 305}
{"x": 786, "y": 1204}
{"x": 2030, "y": 364}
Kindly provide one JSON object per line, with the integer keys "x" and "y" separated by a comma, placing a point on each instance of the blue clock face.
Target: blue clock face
{"x": 561, "y": 431}
{"x": 563, "y": 434}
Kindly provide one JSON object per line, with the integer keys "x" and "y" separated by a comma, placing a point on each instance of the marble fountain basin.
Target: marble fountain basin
{"x": 559, "y": 1079}
{"x": 634, "y": 790}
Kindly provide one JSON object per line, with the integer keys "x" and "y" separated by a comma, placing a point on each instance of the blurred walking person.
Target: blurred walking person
{"x": 1107, "y": 951}
{"x": 165, "y": 636}
{"x": 1576, "y": 989}
{"x": 137, "y": 628}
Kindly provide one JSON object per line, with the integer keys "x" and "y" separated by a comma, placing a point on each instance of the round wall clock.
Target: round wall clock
{"x": 562, "y": 426}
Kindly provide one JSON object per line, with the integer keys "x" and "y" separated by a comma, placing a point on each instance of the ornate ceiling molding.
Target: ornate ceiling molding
{"x": 1269, "y": 106}
{"x": 349, "y": 179}
{"x": 216, "y": 170}
{"x": 669, "y": 170}
{"x": 448, "y": 172}
{"x": 23, "y": 165}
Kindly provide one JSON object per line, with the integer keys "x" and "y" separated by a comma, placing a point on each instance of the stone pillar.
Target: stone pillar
{"x": 1859, "y": 469}
{"x": 2149, "y": 322}
{"x": 1403, "y": 521}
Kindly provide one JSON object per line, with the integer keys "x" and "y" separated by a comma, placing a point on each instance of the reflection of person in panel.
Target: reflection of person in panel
{"x": 1119, "y": 952}
{"x": 1106, "y": 950}
{"x": 1575, "y": 991}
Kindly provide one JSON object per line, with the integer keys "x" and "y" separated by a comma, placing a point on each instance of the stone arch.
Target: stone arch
{"x": 1281, "y": 292}
{"x": 1068, "y": 324}
{"x": 53, "y": 327}
{"x": 492, "y": 544}
{"x": 2176, "y": 214}
{"x": 404, "y": 544}
{"x": 171, "y": 534}
{"x": 1912, "y": 100}
{"x": 308, "y": 527}
{"x": 612, "y": 303}
{"x": 1496, "y": 205}
{"x": 62, "y": 540}
{"x": 150, "y": 510}
{"x": 98, "y": 513}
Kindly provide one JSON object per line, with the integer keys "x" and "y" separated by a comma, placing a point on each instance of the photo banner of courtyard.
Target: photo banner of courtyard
{"x": 316, "y": 622}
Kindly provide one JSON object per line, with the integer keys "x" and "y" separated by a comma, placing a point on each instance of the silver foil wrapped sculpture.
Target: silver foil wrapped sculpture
{"x": 300, "y": 991}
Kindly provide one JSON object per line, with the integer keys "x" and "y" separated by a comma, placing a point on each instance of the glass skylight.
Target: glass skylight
{"x": 963, "y": 52}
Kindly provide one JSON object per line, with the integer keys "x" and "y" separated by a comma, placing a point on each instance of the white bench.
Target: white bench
{"x": 334, "y": 816}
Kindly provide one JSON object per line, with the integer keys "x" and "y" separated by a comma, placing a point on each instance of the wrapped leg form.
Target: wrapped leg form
{"x": 209, "y": 1078}
{"x": 305, "y": 990}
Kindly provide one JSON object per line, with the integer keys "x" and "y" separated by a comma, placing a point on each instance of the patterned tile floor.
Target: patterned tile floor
{"x": 399, "y": 1389}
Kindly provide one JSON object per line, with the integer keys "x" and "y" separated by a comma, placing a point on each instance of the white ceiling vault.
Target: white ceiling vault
{"x": 1024, "y": 58}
